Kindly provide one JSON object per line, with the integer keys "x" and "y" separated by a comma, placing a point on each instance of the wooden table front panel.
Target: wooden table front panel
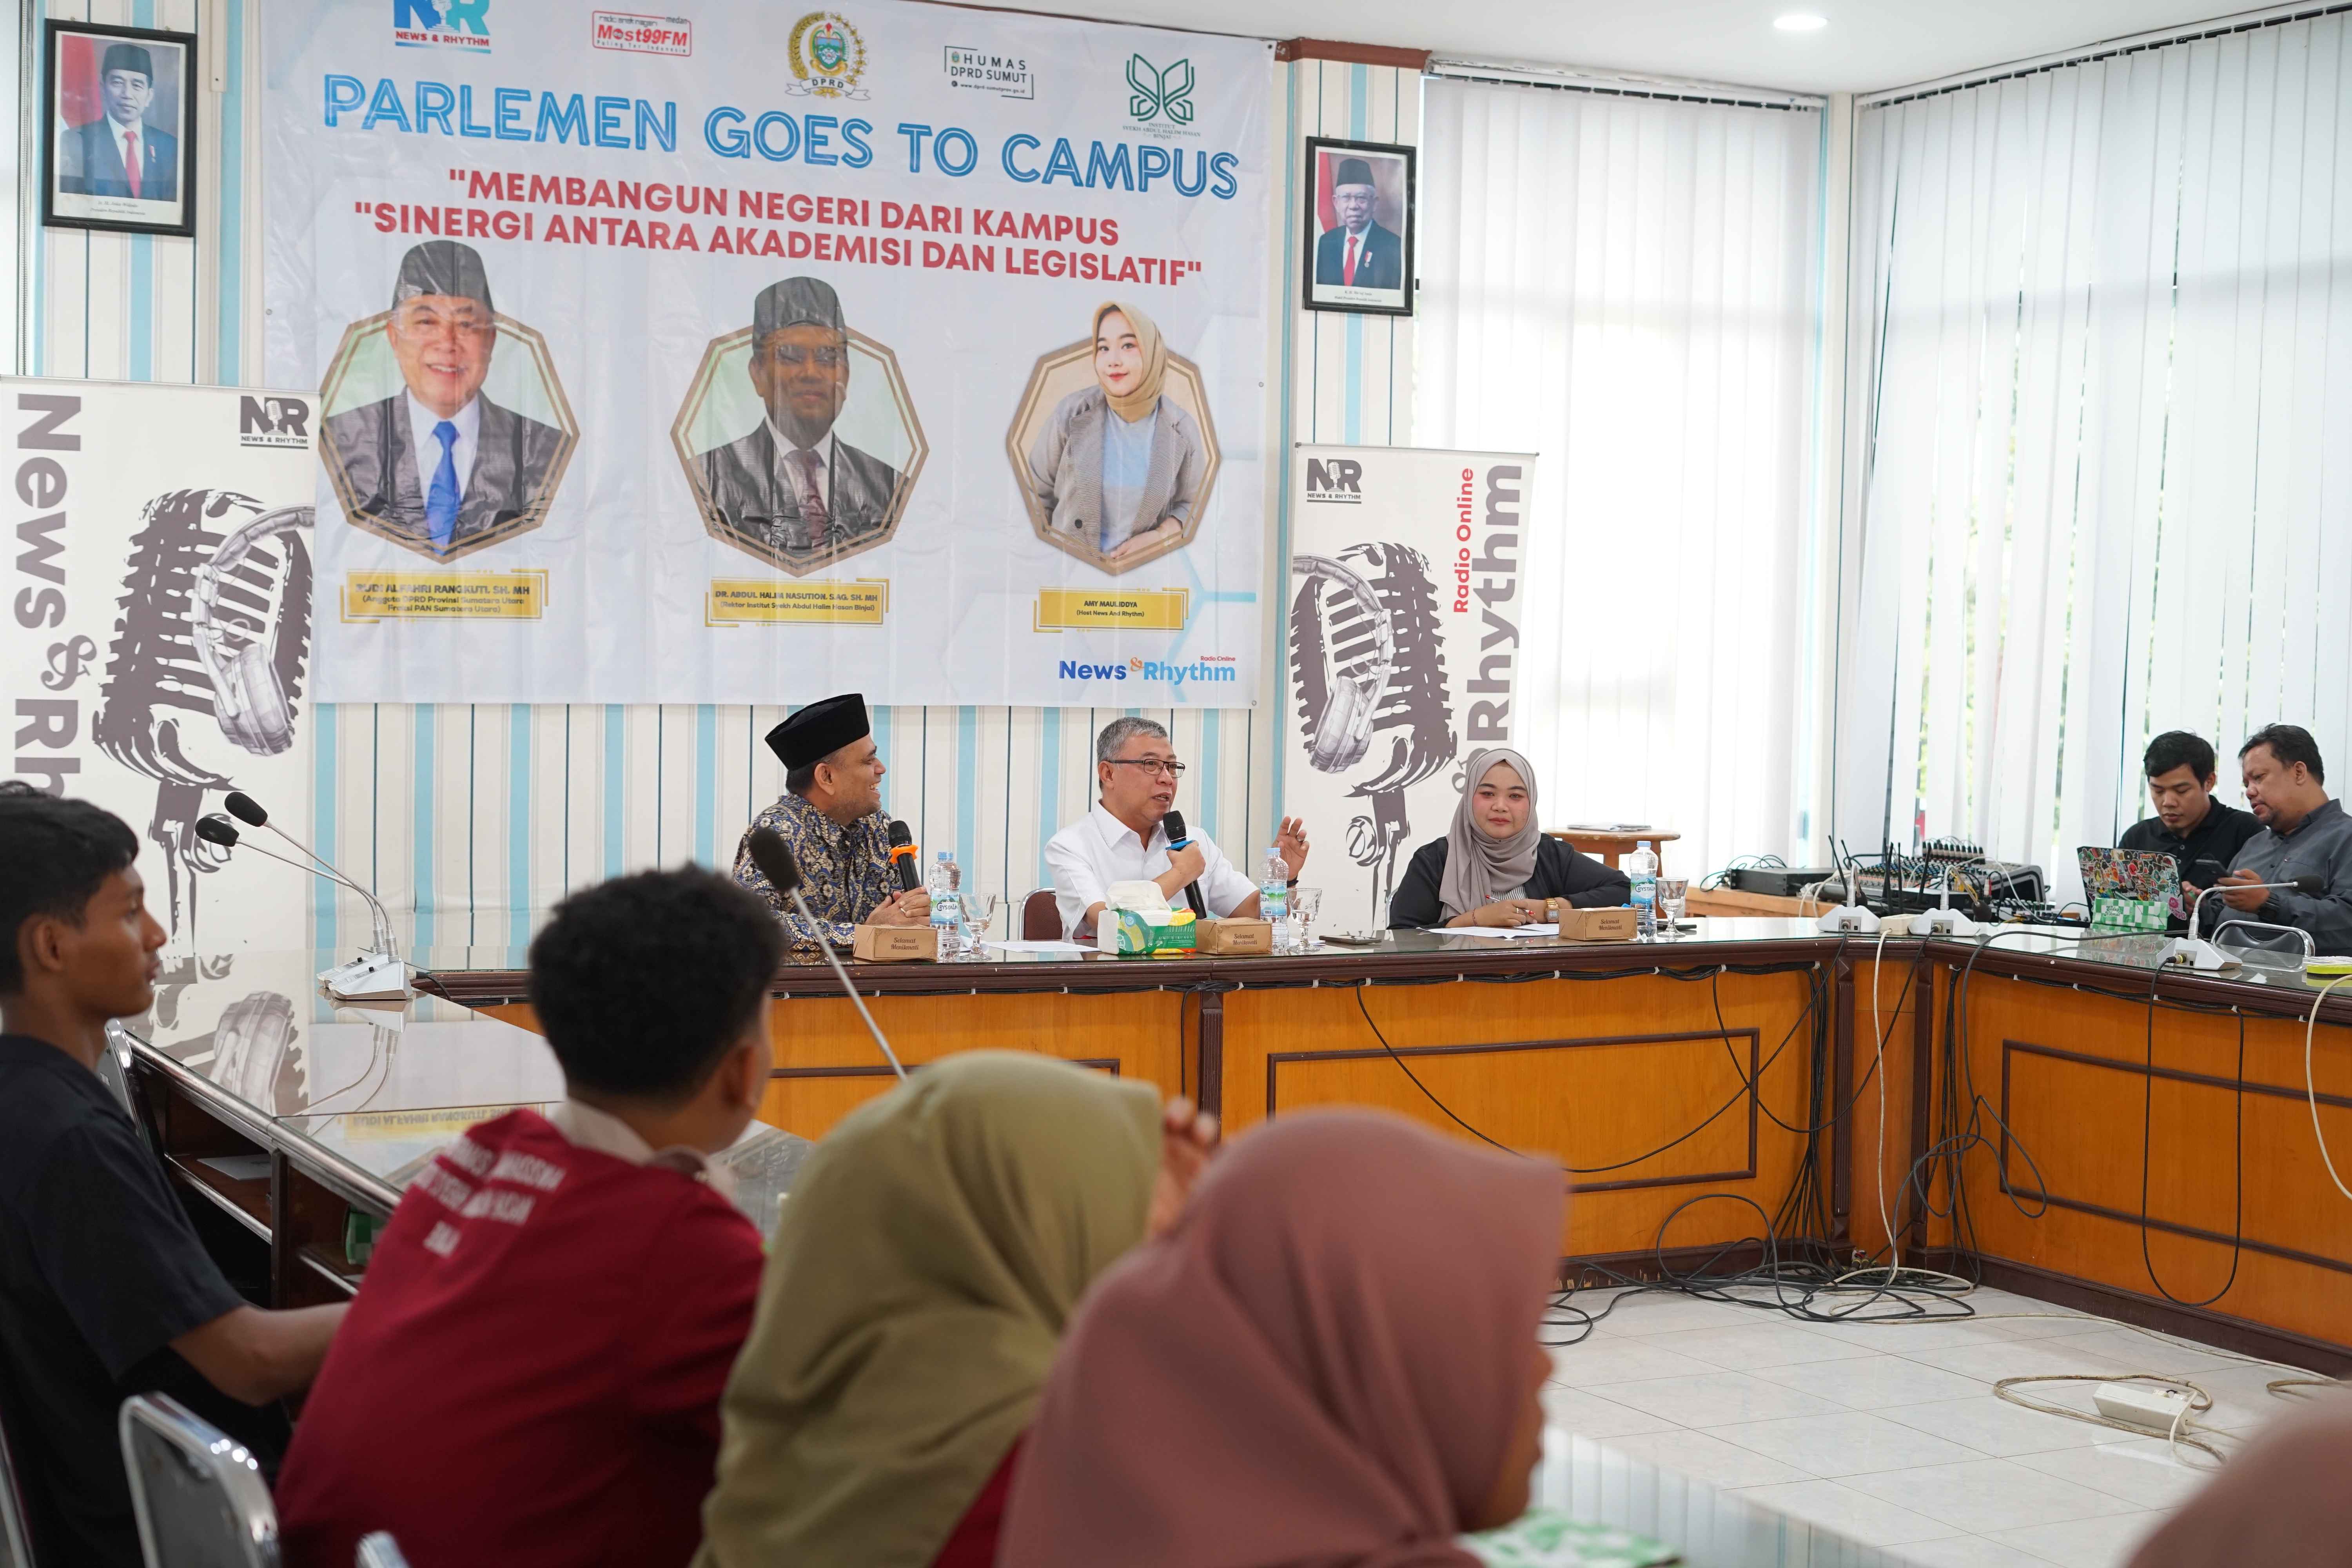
{"x": 2069, "y": 1074}
{"x": 826, "y": 1064}
{"x": 1596, "y": 1072}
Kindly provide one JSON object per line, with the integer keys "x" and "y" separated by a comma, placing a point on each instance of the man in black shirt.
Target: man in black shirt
{"x": 105, "y": 1289}
{"x": 2189, "y": 825}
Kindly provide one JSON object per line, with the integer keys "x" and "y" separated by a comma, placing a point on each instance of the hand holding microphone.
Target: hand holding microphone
{"x": 1185, "y": 861}
{"x": 910, "y": 906}
{"x": 2246, "y": 892}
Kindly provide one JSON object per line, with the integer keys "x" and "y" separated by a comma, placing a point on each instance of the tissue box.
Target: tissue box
{"x": 895, "y": 945}
{"x": 1137, "y": 933}
{"x": 1235, "y": 938}
{"x": 1620, "y": 924}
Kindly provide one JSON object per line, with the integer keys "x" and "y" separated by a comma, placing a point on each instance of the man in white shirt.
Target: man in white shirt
{"x": 1122, "y": 839}
{"x": 437, "y": 467}
{"x": 793, "y": 488}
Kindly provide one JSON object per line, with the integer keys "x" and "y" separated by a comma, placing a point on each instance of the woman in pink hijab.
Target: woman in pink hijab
{"x": 1330, "y": 1360}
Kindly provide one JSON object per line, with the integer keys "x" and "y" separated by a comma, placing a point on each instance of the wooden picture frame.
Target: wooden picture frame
{"x": 1384, "y": 249}
{"x": 90, "y": 115}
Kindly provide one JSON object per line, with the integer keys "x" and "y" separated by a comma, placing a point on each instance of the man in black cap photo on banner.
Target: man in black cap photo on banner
{"x": 437, "y": 464}
{"x": 792, "y": 483}
{"x": 831, "y": 814}
{"x": 120, "y": 154}
{"x": 1359, "y": 253}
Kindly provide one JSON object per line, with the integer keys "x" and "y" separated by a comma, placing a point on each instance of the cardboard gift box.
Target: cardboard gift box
{"x": 1233, "y": 938}
{"x": 895, "y": 945}
{"x": 1622, "y": 923}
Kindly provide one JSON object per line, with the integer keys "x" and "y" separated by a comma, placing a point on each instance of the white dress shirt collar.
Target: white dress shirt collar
{"x": 585, "y": 1127}
{"x": 427, "y": 445}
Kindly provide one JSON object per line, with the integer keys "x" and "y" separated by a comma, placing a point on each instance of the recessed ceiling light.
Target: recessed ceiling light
{"x": 1800, "y": 22}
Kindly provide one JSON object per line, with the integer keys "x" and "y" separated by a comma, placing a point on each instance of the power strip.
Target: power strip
{"x": 2154, "y": 1410}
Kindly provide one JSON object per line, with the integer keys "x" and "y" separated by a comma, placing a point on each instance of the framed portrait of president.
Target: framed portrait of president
{"x": 118, "y": 143}
{"x": 1360, "y": 222}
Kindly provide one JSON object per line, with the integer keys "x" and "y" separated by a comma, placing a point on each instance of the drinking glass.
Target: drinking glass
{"x": 1672, "y": 891}
{"x": 1306, "y": 904}
{"x": 980, "y": 910}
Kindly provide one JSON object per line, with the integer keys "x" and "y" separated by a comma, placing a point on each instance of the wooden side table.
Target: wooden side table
{"x": 1606, "y": 846}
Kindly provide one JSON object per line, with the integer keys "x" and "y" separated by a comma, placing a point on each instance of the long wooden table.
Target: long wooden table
{"x": 1689, "y": 1086}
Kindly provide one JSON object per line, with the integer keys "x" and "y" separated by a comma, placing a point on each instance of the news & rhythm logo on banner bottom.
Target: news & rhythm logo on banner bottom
{"x": 1209, "y": 669}
{"x": 633, "y": 33}
{"x": 451, "y": 24}
{"x": 827, "y": 56}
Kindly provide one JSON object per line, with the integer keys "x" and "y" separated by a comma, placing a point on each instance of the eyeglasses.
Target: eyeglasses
{"x": 1156, "y": 767}
{"x": 792, "y": 353}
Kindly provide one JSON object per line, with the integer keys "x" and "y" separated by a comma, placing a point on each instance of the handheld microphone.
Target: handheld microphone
{"x": 1177, "y": 839}
{"x": 903, "y": 856}
{"x": 372, "y": 975}
{"x": 774, "y": 857}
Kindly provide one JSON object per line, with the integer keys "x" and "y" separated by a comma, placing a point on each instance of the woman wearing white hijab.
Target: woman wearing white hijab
{"x": 1494, "y": 867}
{"x": 1119, "y": 467}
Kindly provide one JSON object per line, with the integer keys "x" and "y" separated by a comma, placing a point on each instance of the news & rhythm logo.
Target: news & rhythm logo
{"x": 1336, "y": 481}
{"x": 1155, "y": 94}
{"x": 282, "y": 422}
{"x": 456, "y": 24}
{"x": 827, "y": 57}
{"x": 1208, "y": 669}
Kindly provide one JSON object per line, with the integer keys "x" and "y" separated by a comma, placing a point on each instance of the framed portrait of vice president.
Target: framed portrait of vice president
{"x": 1359, "y": 223}
{"x": 118, "y": 128}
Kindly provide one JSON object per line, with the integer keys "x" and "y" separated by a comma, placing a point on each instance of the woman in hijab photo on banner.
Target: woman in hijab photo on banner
{"x": 1496, "y": 867}
{"x": 1359, "y": 227}
{"x": 1118, "y": 472}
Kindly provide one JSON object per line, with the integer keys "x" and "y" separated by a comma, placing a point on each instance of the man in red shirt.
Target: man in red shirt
{"x": 531, "y": 1372}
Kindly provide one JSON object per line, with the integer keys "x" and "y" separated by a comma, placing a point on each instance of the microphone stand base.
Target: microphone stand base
{"x": 2194, "y": 953}
{"x": 1849, "y": 920}
{"x": 372, "y": 976}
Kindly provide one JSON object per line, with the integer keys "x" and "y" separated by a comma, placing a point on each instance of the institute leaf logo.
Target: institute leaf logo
{"x": 1160, "y": 93}
{"x": 827, "y": 57}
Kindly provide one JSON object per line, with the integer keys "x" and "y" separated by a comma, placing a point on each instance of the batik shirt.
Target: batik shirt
{"x": 845, "y": 871}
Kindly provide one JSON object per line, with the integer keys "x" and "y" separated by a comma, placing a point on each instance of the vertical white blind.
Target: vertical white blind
{"x": 1629, "y": 289}
{"x": 2103, "y": 373}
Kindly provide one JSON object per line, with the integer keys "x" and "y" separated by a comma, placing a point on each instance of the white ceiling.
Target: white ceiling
{"x": 1867, "y": 46}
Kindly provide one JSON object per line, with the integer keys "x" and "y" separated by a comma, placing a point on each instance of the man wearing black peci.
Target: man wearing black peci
{"x": 2189, "y": 825}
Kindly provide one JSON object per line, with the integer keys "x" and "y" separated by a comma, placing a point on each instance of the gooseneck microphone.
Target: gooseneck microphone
{"x": 2199, "y": 954}
{"x": 372, "y": 975}
{"x": 774, "y": 857}
{"x": 1177, "y": 839}
{"x": 903, "y": 857}
{"x": 247, "y": 810}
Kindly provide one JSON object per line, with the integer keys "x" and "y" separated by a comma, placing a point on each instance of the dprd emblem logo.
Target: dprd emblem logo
{"x": 1157, "y": 94}
{"x": 827, "y": 57}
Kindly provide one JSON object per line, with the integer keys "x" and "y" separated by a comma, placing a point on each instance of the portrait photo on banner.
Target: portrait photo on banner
{"x": 798, "y": 435}
{"x": 119, "y": 148}
{"x": 446, "y": 428}
{"x": 1112, "y": 445}
{"x": 1359, "y": 227}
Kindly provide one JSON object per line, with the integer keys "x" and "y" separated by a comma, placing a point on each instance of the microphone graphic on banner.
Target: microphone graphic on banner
{"x": 904, "y": 856}
{"x": 1178, "y": 839}
{"x": 774, "y": 857}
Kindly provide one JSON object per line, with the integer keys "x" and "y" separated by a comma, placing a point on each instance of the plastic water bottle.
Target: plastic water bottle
{"x": 947, "y": 904}
{"x": 1274, "y": 891}
{"x": 1642, "y": 866}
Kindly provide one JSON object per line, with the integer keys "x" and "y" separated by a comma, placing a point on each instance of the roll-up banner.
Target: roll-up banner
{"x": 156, "y": 651}
{"x": 1406, "y": 600}
{"x": 753, "y": 355}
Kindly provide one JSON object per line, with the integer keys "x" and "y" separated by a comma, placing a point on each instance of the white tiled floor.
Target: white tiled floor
{"x": 1891, "y": 1436}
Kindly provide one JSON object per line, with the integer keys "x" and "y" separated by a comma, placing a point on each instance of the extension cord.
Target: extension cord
{"x": 2156, "y": 1411}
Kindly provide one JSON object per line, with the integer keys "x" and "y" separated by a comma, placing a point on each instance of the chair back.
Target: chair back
{"x": 16, "y": 1517}
{"x": 1041, "y": 917}
{"x": 380, "y": 1551}
{"x": 198, "y": 1495}
{"x": 113, "y": 1074}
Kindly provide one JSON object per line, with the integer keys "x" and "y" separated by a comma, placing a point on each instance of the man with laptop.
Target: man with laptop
{"x": 2189, "y": 825}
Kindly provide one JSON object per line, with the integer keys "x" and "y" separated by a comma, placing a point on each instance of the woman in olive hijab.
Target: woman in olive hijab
{"x": 931, "y": 1253}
